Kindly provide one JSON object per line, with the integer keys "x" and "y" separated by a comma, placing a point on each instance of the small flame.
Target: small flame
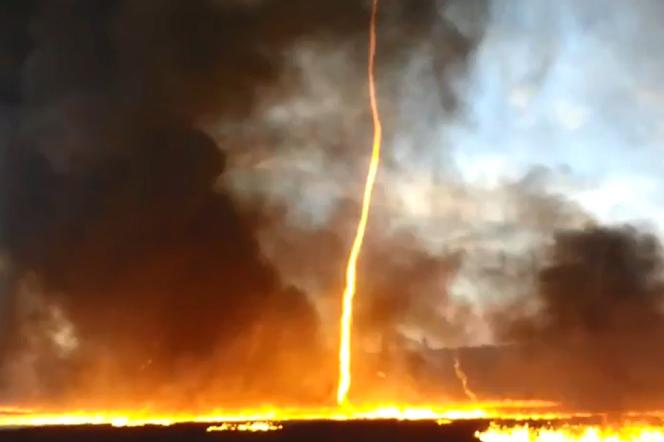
{"x": 461, "y": 375}
{"x": 572, "y": 433}
{"x": 252, "y": 427}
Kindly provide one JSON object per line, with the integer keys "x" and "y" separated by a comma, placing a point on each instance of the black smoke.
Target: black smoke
{"x": 596, "y": 320}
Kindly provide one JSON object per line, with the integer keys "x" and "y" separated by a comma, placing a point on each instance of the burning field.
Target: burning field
{"x": 331, "y": 220}
{"x": 582, "y": 430}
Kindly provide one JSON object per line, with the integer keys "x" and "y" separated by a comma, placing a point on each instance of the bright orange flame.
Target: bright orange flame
{"x": 252, "y": 427}
{"x": 573, "y": 433}
{"x": 351, "y": 268}
{"x": 513, "y": 410}
{"x": 461, "y": 375}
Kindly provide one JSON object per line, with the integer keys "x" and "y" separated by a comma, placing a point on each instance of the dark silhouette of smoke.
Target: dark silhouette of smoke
{"x": 598, "y": 319}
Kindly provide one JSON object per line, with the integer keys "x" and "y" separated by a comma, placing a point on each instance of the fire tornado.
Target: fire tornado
{"x": 351, "y": 268}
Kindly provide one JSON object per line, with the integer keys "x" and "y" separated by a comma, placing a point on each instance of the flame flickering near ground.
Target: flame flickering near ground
{"x": 576, "y": 433}
{"x": 525, "y": 421}
{"x": 251, "y": 427}
{"x": 516, "y": 410}
{"x": 351, "y": 268}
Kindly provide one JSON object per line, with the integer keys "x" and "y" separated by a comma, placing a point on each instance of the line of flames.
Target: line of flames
{"x": 122, "y": 418}
{"x": 515, "y": 410}
{"x": 510, "y": 423}
{"x": 628, "y": 432}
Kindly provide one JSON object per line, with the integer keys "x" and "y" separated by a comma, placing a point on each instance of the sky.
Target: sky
{"x": 574, "y": 87}
{"x": 570, "y": 88}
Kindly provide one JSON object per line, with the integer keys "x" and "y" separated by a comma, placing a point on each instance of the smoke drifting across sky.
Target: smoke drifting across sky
{"x": 180, "y": 183}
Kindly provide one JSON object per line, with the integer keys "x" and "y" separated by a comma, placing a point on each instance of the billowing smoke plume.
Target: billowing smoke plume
{"x": 595, "y": 319}
{"x": 129, "y": 276}
{"x": 563, "y": 93}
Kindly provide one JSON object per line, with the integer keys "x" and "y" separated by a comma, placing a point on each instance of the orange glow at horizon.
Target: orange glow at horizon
{"x": 344, "y": 381}
{"x": 244, "y": 419}
{"x": 512, "y": 420}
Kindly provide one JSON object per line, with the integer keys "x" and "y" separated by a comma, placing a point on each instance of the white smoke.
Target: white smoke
{"x": 569, "y": 85}
{"x": 570, "y": 88}
{"x": 558, "y": 120}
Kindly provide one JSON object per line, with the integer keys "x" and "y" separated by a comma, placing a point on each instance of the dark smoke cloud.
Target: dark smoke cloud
{"x": 125, "y": 261}
{"x": 597, "y": 319}
{"x": 405, "y": 308}
{"x": 407, "y": 289}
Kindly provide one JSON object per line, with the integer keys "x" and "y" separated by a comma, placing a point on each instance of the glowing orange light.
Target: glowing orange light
{"x": 513, "y": 410}
{"x": 351, "y": 268}
{"x": 252, "y": 427}
{"x": 573, "y": 433}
